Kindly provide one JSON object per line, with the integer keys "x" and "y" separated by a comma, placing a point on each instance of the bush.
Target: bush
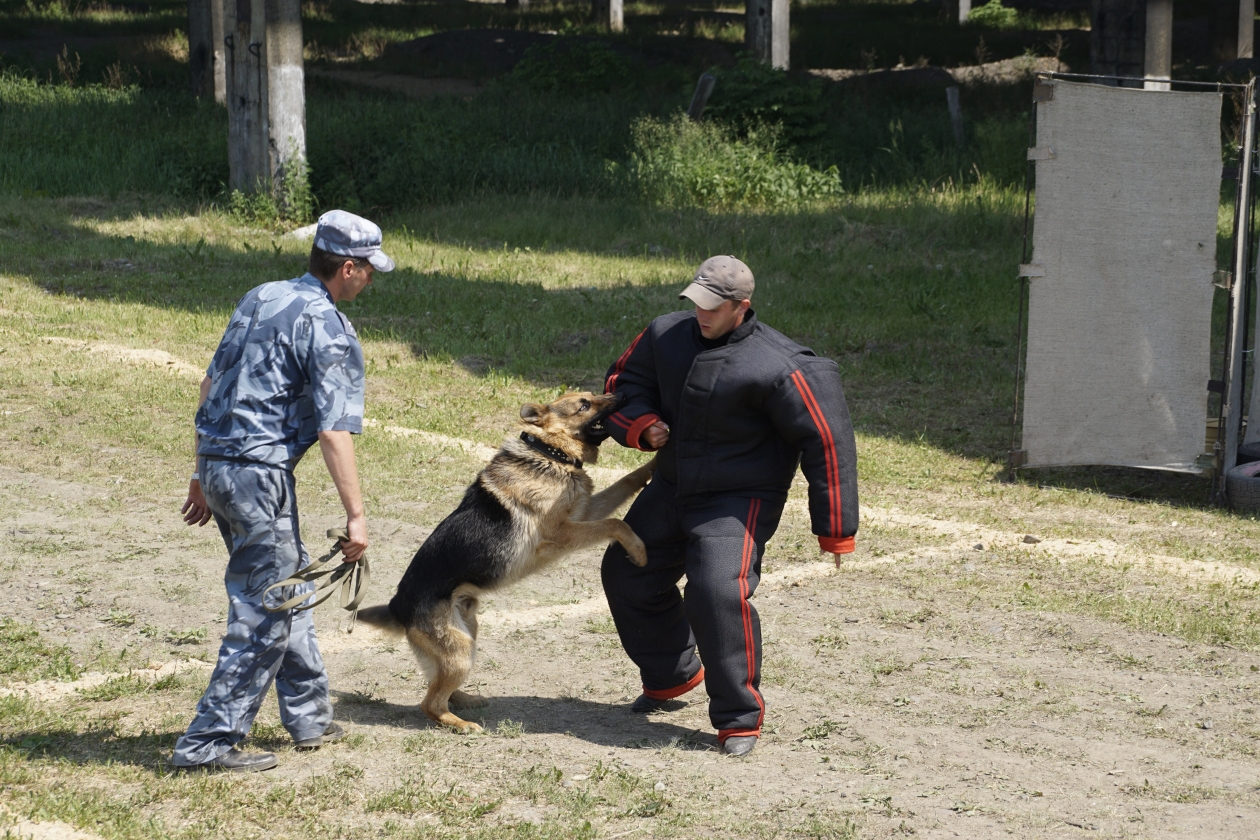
{"x": 994, "y": 16}
{"x": 753, "y": 94}
{"x": 574, "y": 67}
{"x": 682, "y": 163}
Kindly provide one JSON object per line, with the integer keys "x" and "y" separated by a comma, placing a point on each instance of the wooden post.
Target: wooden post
{"x": 205, "y": 49}
{"x": 955, "y": 115}
{"x": 1158, "y": 58}
{"x": 1117, "y": 38}
{"x": 286, "y": 100}
{"x": 1246, "y": 28}
{"x": 266, "y": 103}
{"x": 244, "y": 22}
{"x": 704, "y": 89}
{"x": 766, "y": 31}
{"x": 1223, "y": 19}
{"x": 609, "y": 14}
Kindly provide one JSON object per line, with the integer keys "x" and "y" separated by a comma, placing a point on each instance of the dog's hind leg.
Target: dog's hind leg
{"x": 465, "y": 605}
{"x": 450, "y": 648}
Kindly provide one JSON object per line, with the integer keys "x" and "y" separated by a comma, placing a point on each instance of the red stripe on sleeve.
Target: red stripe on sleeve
{"x": 611, "y": 385}
{"x": 829, "y": 450}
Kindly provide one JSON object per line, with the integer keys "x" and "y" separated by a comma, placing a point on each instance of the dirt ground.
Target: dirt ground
{"x": 907, "y": 707}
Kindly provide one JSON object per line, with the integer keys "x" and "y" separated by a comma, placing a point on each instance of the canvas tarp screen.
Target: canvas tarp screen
{"x": 1119, "y": 325}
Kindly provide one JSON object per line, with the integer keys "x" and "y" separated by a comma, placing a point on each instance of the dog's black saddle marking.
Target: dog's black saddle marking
{"x": 550, "y": 451}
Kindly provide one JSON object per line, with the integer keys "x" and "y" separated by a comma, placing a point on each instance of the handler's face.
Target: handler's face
{"x": 715, "y": 323}
{"x": 357, "y": 279}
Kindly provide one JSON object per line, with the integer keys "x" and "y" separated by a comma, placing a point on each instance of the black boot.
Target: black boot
{"x": 235, "y": 761}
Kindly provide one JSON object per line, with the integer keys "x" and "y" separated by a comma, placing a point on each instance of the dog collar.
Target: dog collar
{"x": 550, "y": 451}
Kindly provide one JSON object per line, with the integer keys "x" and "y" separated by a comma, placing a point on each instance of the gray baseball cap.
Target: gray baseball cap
{"x": 718, "y": 279}
{"x": 348, "y": 235}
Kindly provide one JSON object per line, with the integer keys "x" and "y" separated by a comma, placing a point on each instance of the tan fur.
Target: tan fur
{"x": 554, "y": 512}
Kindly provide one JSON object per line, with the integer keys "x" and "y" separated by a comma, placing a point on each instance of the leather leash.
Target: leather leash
{"x": 351, "y": 578}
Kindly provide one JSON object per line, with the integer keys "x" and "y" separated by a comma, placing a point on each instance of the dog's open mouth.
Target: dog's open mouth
{"x": 596, "y": 430}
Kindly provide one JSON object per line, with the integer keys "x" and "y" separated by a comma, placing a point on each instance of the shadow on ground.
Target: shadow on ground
{"x": 603, "y": 724}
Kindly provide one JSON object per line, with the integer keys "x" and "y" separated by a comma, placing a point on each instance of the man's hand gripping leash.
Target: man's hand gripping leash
{"x": 353, "y": 577}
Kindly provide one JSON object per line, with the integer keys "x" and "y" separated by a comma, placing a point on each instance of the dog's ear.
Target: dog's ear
{"x": 532, "y": 413}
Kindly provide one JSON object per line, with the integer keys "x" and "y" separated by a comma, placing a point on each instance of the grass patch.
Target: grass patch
{"x": 25, "y": 656}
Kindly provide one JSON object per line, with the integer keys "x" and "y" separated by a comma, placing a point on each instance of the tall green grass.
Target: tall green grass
{"x": 59, "y": 140}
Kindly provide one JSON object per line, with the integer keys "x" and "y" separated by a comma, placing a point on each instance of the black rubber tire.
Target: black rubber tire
{"x": 1248, "y": 453}
{"x": 1242, "y": 488}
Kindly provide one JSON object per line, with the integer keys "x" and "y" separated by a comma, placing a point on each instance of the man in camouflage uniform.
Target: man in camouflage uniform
{"x": 288, "y": 372}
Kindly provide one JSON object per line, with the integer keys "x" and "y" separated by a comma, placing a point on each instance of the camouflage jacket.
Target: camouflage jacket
{"x": 288, "y": 367}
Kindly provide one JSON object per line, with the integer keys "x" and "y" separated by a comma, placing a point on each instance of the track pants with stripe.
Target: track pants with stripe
{"x": 717, "y": 542}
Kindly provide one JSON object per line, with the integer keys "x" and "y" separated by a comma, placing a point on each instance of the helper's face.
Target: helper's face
{"x": 715, "y": 323}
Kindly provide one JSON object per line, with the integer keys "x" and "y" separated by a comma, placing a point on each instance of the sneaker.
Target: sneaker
{"x": 334, "y": 732}
{"x": 235, "y": 761}
{"x": 739, "y": 744}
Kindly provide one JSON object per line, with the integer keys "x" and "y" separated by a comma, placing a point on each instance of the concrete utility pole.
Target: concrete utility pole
{"x": 766, "y": 31}
{"x": 609, "y": 13}
{"x": 205, "y": 49}
{"x": 1117, "y": 38}
{"x": 958, "y": 10}
{"x": 266, "y": 102}
{"x": 1246, "y": 28}
{"x": 1158, "y": 59}
{"x": 1233, "y": 27}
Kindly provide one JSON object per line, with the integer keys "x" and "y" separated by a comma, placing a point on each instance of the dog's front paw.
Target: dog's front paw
{"x": 643, "y": 474}
{"x": 637, "y": 552}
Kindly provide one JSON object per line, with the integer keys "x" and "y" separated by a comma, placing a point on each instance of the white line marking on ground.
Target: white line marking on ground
{"x": 154, "y": 358}
{"x": 42, "y": 830}
{"x": 45, "y": 690}
{"x": 1108, "y": 551}
{"x": 480, "y": 450}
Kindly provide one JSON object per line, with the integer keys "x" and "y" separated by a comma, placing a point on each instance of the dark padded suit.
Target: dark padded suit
{"x": 744, "y": 411}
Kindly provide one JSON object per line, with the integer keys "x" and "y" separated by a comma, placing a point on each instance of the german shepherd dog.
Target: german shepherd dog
{"x": 530, "y": 506}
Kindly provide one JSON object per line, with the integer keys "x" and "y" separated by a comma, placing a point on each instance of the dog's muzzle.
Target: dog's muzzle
{"x": 596, "y": 430}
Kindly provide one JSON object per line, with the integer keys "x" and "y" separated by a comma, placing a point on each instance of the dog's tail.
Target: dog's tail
{"x": 381, "y": 618}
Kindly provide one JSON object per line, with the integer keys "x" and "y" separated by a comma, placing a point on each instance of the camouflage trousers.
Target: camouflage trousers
{"x": 255, "y": 509}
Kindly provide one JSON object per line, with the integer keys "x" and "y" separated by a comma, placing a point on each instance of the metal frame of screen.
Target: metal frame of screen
{"x": 1239, "y": 281}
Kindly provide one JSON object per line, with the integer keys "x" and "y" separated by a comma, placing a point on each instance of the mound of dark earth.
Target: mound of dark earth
{"x": 464, "y": 53}
{"x": 484, "y": 53}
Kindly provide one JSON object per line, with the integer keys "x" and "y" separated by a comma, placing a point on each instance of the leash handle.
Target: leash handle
{"x": 352, "y": 577}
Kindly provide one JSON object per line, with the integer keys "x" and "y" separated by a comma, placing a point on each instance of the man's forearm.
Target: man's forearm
{"x": 338, "y": 452}
{"x": 205, "y": 392}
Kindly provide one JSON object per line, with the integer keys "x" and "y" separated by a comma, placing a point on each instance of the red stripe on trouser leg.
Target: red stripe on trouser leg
{"x": 676, "y": 691}
{"x": 750, "y": 549}
{"x": 723, "y": 734}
